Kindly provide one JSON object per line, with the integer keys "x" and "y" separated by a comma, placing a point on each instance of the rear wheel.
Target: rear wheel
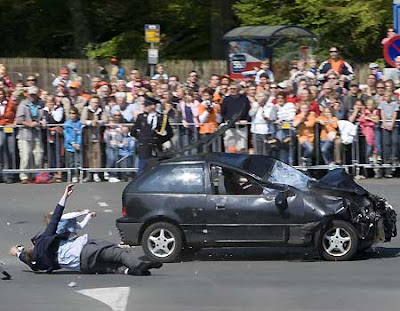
{"x": 339, "y": 241}
{"x": 162, "y": 242}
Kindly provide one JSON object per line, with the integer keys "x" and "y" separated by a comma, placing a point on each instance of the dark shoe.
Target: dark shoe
{"x": 143, "y": 268}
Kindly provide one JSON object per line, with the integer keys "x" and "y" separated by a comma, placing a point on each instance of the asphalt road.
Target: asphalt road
{"x": 228, "y": 279}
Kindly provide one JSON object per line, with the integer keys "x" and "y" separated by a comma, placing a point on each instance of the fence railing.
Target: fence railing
{"x": 25, "y": 150}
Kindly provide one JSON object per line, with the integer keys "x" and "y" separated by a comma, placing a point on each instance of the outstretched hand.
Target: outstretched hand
{"x": 68, "y": 190}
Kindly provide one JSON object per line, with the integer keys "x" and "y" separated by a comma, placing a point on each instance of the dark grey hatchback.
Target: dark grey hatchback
{"x": 231, "y": 200}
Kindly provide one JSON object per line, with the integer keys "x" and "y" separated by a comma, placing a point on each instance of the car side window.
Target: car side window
{"x": 186, "y": 179}
{"x": 229, "y": 182}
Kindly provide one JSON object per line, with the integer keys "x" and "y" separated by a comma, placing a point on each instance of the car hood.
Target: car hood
{"x": 337, "y": 182}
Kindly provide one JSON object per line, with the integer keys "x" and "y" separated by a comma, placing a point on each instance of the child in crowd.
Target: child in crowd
{"x": 285, "y": 113}
{"x": 112, "y": 138}
{"x": 73, "y": 142}
{"x": 304, "y": 122}
{"x": 126, "y": 151}
{"x": 389, "y": 110}
{"x": 369, "y": 119}
{"x": 329, "y": 130}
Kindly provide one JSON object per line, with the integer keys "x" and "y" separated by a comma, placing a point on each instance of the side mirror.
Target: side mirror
{"x": 281, "y": 200}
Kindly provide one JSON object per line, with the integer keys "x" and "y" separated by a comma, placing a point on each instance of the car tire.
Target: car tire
{"x": 338, "y": 241}
{"x": 162, "y": 242}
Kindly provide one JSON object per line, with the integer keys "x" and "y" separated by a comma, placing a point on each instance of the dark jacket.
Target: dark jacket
{"x": 233, "y": 105}
{"x": 46, "y": 245}
{"x": 143, "y": 132}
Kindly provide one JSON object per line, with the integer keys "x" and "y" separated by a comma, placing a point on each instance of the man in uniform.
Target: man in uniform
{"x": 151, "y": 129}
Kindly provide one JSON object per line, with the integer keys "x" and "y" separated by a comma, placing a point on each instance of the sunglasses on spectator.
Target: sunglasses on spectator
{"x": 30, "y": 79}
{"x": 333, "y": 51}
{"x": 72, "y": 113}
{"x": 380, "y": 87}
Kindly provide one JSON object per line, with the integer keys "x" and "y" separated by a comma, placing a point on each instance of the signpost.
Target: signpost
{"x": 391, "y": 50}
{"x": 152, "y": 35}
{"x": 396, "y": 15}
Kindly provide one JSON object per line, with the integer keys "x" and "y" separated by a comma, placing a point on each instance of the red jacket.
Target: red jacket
{"x": 7, "y": 118}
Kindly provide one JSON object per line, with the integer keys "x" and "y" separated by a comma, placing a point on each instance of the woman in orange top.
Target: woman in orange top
{"x": 209, "y": 114}
{"x": 304, "y": 122}
{"x": 329, "y": 126}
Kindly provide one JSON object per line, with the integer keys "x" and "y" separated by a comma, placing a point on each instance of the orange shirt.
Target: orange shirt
{"x": 212, "y": 125}
{"x": 330, "y": 127}
{"x": 305, "y": 130}
{"x": 336, "y": 64}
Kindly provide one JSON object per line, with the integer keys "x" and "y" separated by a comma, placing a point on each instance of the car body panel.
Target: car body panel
{"x": 210, "y": 219}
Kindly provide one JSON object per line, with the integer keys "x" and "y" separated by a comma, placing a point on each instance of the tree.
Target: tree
{"x": 355, "y": 26}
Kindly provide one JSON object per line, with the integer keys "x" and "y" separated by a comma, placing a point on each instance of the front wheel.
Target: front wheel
{"x": 162, "y": 242}
{"x": 339, "y": 241}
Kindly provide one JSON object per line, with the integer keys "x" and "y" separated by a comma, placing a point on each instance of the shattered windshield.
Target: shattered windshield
{"x": 285, "y": 174}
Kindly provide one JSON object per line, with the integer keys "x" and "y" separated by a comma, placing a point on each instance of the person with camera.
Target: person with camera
{"x": 209, "y": 115}
{"x": 53, "y": 251}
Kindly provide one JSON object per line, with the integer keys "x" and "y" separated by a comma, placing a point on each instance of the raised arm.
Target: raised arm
{"x": 55, "y": 218}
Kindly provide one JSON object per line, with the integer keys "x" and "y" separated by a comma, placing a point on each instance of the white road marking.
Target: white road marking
{"x": 114, "y": 297}
{"x": 102, "y": 204}
{"x": 107, "y": 211}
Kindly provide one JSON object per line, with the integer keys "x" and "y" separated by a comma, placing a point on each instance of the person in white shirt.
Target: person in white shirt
{"x": 285, "y": 112}
{"x": 262, "y": 124}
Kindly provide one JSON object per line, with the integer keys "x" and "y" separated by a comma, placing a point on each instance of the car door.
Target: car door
{"x": 173, "y": 191}
{"x": 240, "y": 210}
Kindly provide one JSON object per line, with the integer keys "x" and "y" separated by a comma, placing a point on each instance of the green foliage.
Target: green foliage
{"x": 355, "y": 26}
{"x": 75, "y": 28}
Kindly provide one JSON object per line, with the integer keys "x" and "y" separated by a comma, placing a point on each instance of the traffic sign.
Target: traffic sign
{"x": 152, "y": 56}
{"x": 391, "y": 50}
{"x": 152, "y": 33}
{"x": 238, "y": 63}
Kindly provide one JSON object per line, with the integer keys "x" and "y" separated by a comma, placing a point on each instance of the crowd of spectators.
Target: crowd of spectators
{"x": 318, "y": 110}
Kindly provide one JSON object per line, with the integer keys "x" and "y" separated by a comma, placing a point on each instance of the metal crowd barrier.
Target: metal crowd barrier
{"x": 49, "y": 155}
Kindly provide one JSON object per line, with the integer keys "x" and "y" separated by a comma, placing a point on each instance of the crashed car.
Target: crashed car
{"x": 232, "y": 200}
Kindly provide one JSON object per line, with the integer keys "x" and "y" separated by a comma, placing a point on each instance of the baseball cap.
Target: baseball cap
{"x": 33, "y": 90}
{"x": 149, "y": 102}
{"x": 373, "y": 66}
{"x": 283, "y": 85}
{"x": 75, "y": 84}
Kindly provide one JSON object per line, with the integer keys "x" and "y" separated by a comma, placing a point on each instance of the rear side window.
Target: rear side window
{"x": 186, "y": 179}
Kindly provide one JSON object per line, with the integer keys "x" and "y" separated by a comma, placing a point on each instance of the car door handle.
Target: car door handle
{"x": 269, "y": 197}
{"x": 219, "y": 206}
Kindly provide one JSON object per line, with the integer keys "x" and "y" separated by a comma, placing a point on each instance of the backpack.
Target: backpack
{"x": 42, "y": 178}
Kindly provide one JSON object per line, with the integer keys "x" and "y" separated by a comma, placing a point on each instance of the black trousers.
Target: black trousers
{"x": 95, "y": 258}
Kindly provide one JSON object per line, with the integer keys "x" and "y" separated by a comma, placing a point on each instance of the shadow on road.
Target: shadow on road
{"x": 302, "y": 254}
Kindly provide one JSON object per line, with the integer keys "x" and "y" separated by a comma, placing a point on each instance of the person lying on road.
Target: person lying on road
{"x": 53, "y": 251}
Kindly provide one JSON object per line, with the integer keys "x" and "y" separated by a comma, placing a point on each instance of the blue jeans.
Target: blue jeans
{"x": 112, "y": 157}
{"x": 7, "y": 152}
{"x": 286, "y": 150}
{"x": 390, "y": 143}
{"x": 307, "y": 149}
{"x": 126, "y": 162}
{"x": 73, "y": 160}
{"x": 378, "y": 140}
{"x": 327, "y": 150}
